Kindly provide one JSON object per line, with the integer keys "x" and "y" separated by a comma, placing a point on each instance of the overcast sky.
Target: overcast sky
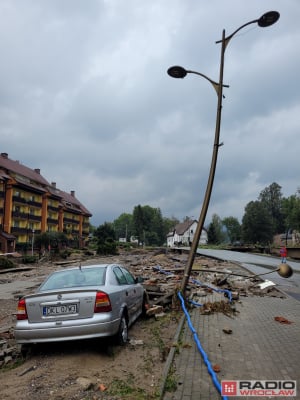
{"x": 85, "y": 97}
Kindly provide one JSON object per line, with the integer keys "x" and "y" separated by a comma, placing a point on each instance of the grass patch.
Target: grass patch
{"x": 126, "y": 390}
{"x": 171, "y": 381}
{"x": 17, "y": 362}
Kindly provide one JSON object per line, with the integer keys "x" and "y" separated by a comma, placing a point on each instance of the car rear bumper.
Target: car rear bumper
{"x": 26, "y": 333}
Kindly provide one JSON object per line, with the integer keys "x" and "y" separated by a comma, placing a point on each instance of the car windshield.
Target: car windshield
{"x": 74, "y": 278}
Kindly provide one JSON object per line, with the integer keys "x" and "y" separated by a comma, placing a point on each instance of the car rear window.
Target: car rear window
{"x": 75, "y": 278}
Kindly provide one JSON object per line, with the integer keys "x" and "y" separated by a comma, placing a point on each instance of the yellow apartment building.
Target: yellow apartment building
{"x": 30, "y": 205}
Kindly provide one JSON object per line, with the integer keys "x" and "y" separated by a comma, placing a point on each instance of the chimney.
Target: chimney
{"x": 37, "y": 170}
{"x": 73, "y": 193}
{"x": 4, "y": 155}
{"x": 53, "y": 184}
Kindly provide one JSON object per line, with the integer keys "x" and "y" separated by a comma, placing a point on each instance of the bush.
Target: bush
{"x": 109, "y": 247}
{"x": 5, "y": 263}
{"x": 29, "y": 259}
{"x": 88, "y": 252}
{"x": 65, "y": 254}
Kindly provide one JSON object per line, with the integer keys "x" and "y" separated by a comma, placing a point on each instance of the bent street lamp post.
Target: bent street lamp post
{"x": 265, "y": 20}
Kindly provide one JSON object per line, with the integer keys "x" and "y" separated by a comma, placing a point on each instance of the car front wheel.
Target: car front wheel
{"x": 122, "y": 335}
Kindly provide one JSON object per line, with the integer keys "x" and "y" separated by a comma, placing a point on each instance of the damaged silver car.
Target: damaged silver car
{"x": 83, "y": 302}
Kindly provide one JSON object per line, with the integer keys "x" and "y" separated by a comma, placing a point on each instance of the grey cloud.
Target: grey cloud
{"x": 85, "y": 97}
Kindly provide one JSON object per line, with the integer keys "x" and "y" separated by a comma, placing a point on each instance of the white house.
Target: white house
{"x": 183, "y": 234}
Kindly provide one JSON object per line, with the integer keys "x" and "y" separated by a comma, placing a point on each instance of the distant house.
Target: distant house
{"x": 183, "y": 234}
{"x": 290, "y": 238}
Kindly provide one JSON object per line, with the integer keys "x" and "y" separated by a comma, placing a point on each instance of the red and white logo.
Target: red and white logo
{"x": 259, "y": 388}
{"x": 229, "y": 388}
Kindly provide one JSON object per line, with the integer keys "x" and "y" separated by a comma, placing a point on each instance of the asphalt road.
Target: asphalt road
{"x": 260, "y": 264}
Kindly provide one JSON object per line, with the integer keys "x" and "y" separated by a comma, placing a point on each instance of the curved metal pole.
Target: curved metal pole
{"x": 227, "y": 39}
{"x": 210, "y": 181}
{"x": 215, "y": 84}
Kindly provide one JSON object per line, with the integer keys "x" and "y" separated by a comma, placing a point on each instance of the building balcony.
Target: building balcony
{"x": 19, "y": 199}
{"x": 20, "y": 231}
{"x": 70, "y": 221}
{"x": 22, "y": 200}
{"x": 37, "y": 204}
{"x": 35, "y": 217}
{"x": 24, "y": 231}
{"x": 52, "y": 208}
{"x": 52, "y": 221}
{"x": 26, "y": 216}
{"x": 20, "y": 215}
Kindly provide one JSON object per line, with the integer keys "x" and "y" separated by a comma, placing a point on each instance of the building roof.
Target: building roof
{"x": 184, "y": 226}
{"x": 7, "y": 235}
{"x": 3, "y": 175}
{"x": 16, "y": 167}
{"x": 69, "y": 201}
{"x": 35, "y": 181}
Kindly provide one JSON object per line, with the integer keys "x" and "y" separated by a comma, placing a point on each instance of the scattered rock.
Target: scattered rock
{"x": 227, "y": 330}
{"x": 283, "y": 320}
{"x": 102, "y": 387}
{"x": 216, "y": 368}
{"x": 136, "y": 342}
{"x": 217, "y": 306}
{"x": 31, "y": 368}
{"x": 85, "y": 383}
{"x": 154, "y": 310}
{"x": 160, "y": 315}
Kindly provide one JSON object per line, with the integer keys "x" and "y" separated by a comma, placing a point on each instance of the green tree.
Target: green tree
{"x": 257, "y": 224}
{"x": 169, "y": 224}
{"x": 234, "y": 229}
{"x": 211, "y": 234}
{"x": 138, "y": 223}
{"x": 123, "y": 226}
{"x": 105, "y": 235}
{"x": 55, "y": 240}
{"x": 215, "y": 231}
{"x": 157, "y": 228}
{"x": 271, "y": 197}
{"x": 148, "y": 225}
{"x": 291, "y": 212}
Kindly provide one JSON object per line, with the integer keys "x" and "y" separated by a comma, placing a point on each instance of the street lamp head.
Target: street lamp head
{"x": 177, "y": 72}
{"x": 267, "y": 19}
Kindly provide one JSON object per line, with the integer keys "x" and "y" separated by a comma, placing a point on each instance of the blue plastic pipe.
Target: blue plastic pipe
{"x": 200, "y": 348}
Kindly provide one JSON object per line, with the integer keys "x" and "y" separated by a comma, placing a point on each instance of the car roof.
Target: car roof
{"x": 95, "y": 272}
{"x": 86, "y": 267}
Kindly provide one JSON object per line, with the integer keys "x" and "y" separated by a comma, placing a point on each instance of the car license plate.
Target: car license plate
{"x": 49, "y": 311}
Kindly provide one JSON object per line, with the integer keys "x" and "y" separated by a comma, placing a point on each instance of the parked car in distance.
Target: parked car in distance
{"x": 83, "y": 302}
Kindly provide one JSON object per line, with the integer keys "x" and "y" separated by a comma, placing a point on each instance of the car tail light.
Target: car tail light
{"x": 102, "y": 303}
{"x": 21, "y": 310}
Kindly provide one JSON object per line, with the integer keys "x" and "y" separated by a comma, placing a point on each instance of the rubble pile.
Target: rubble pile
{"x": 162, "y": 273}
{"x": 9, "y": 353}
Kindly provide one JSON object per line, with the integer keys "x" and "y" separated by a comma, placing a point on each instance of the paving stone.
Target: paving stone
{"x": 258, "y": 348}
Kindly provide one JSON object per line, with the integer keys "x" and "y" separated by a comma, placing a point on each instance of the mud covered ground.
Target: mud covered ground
{"x": 92, "y": 369}
{"x": 95, "y": 369}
